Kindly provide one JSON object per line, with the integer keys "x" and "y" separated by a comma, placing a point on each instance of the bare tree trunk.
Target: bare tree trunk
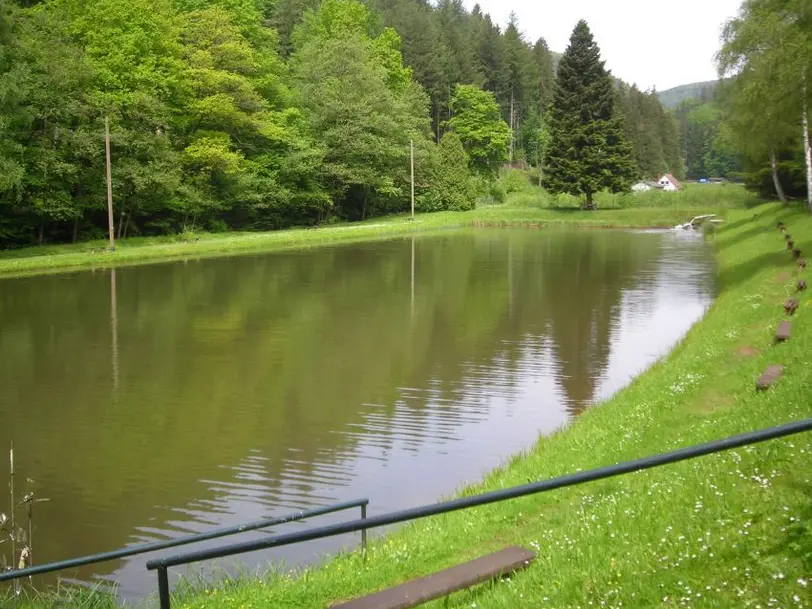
{"x": 41, "y": 232}
{"x": 778, "y": 188}
{"x": 120, "y": 223}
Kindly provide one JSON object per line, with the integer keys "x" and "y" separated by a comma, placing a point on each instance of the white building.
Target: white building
{"x": 669, "y": 183}
{"x": 645, "y": 186}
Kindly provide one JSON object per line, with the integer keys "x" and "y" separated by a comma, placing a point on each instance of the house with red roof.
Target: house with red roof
{"x": 669, "y": 183}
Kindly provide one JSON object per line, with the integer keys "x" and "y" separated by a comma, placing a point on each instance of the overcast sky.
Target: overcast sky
{"x": 651, "y": 43}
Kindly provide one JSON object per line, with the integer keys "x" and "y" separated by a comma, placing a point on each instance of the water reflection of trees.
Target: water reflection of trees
{"x": 284, "y": 355}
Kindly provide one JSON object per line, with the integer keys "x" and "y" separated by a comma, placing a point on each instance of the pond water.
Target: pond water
{"x": 154, "y": 401}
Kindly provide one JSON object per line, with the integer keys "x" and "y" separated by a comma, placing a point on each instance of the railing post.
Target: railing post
{"x": 364, "y": 531}
{"x": 163, "y": 587}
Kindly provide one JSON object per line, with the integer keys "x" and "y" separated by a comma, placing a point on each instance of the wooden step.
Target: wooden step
{"x": 783, "y": 332}
{"x": 422, "y": 590}
{"x": 770, "y": 376}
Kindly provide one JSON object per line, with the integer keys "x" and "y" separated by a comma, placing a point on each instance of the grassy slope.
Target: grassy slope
{"x": 730, "y": 530}
{"x": 529, "y": 206}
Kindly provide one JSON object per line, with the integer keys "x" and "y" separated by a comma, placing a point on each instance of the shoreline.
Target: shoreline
{"x": 726, "y": 526}
{"x": 67, "y": 258}
{"x": 721, "y": 525}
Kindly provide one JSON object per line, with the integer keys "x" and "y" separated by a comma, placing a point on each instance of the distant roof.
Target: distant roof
{"x": 673, "y": 180}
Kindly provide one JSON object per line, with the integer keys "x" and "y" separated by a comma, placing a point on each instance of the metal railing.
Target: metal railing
{"x": 180, "y": 541}
{"x": 162, "y": 565}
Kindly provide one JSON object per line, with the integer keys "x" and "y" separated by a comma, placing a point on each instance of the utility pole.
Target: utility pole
{"x": 411, "y": 148}
{"x": 109, "y": 184}
{"x": 511, "y": 125}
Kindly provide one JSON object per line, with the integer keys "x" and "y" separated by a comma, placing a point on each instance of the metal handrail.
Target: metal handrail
{"x": 162, "y": 564}
{"x": 180, "y": 541}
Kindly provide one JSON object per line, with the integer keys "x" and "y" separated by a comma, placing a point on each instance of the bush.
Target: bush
{"x": 452, "y": 185}
{"x": 497, "y": 192}
{"x": 514, "y": 180}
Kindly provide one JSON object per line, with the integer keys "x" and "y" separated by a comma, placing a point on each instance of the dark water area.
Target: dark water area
{"x": 156, "y": 401}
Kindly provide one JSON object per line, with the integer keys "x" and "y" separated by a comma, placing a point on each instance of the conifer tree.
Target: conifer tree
{"x": 589, "y": 152}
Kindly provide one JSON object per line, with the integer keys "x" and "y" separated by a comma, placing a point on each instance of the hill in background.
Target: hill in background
{"x": 672, "y": 98}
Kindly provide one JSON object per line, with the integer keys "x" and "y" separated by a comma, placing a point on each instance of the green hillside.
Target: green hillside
{"x": 672, "y": 98}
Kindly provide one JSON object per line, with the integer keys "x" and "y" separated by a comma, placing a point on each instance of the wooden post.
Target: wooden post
{"x": 109, "y": 184}
{"x": 11, "y": 504}
{"x": 411, "y": 147}
{"x": 511, "y": 125}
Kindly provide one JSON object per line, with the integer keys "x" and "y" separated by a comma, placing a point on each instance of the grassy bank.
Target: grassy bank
{"x": 729, "y": 530}
{"x": 527, "y": 205}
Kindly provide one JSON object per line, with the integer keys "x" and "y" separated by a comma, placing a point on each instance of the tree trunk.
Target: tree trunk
{"x": 807, "y": 154}
{"x": 41, "y": 233}
{"x": 75, "y": 229}
{"x": 120, "y": 223}
{"x": 541, "y": 169}
{"x": 589, "y": 205}
{"x": 127, "y": 225}
{"x": 779, "y": 190}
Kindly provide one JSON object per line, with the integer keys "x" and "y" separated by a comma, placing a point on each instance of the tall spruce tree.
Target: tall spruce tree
{"x": 589, "y": 151}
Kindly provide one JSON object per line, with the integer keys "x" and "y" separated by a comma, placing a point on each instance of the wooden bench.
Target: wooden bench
{"x": 783, "y": 332}
{"x": 770, "y": 376}
{"x": 425, "y": 589}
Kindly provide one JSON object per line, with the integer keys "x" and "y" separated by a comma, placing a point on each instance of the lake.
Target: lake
{"x": 155, "y": 401}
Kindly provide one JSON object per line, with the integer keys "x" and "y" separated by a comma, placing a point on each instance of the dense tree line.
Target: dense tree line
{"x": 767, "y": 55}
{"x": 261, "y": 114}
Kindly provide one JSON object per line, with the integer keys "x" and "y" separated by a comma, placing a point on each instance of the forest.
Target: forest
{"x": 264, "y": 114}
{"x": 765, "y": 59}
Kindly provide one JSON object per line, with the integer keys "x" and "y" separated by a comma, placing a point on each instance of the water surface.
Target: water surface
{"x": 155, "y": 401}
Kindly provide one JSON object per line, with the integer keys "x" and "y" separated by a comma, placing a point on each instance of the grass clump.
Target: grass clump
{"x": 727, "y": 530}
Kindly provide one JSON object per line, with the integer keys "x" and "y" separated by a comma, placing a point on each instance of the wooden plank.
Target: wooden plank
{"x": 443, "y": 583}
{"x": 783, "y": 332}
{"x": 770, "y": 376}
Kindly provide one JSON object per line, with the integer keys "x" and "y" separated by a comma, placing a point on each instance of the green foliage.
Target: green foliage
{"x": 241, "y": 112}
{"x": 354, "y": 91}
{"x": 766, "y": 56}
{"x": 477, "y": 123}
{"x": 452, "y": 186}
{"x": 513, "y": 180}
{"x": 652, "y": 132}
{"x": 589, "y": 150}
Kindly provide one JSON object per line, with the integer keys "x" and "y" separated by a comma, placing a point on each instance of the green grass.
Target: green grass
{"x": 74, "y": 597}
{"x": 525, "y": 206}
{"x": 728, "y": 530}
